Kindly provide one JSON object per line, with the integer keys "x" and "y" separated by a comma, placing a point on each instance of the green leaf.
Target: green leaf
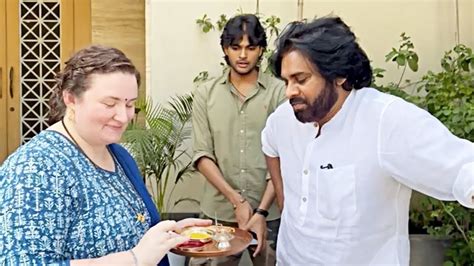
{"x": 413, "y": 64}
{"x": 221, "y": 22}
{"x": 448, "y": 263}
{"x": 467, "y": 129}
{"x": 400, "y": 59}
{"x": 391, "y": 55}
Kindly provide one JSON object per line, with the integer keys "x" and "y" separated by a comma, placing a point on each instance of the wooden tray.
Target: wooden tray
{"x": 238, "y": 244}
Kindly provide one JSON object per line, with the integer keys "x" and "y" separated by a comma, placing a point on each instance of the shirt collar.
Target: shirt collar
{"x": 337, "y": 121}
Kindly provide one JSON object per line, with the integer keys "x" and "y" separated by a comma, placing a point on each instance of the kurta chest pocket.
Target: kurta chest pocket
{"x": 336, "y": 197}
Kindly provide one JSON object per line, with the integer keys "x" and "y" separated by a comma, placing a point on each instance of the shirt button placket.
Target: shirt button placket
{"x": 304, "y": 196}
{"x": 305, "y": 176}
{"x": 242, "y": 181}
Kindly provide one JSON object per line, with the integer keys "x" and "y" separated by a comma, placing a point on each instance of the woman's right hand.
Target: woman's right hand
{"x": 157, "y": 241}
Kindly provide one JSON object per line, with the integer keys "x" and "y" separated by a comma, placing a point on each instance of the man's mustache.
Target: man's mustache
{"x": 297, "y": 100}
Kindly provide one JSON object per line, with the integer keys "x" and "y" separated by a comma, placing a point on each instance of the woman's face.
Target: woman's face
{"x": 102, "y": 112}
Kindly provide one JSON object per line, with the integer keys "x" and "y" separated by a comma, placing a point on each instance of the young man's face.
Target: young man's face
{"x": 243, "y": 57}
{"x": 310, "y": 95}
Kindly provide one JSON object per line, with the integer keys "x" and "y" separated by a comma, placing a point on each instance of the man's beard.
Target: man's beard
{"x": 316, "y": 111}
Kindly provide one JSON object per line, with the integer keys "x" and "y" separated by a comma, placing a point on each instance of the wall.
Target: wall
{"x": 177, "y": 50}
{"x": 121, "y": 24}
{"x": 378, "y": 24}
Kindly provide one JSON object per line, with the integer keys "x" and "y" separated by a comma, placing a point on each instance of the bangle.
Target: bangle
{"x": 242, "y": 200}
{"x": 262, "y": 212}
{"x": 135, "y": 259}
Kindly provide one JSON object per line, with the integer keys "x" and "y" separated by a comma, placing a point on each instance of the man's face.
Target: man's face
{"x": 243, "y": 57}
{"x": 310, "y": 95}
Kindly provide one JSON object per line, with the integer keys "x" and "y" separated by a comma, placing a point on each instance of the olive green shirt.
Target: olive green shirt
{"x": 227, "y": 131}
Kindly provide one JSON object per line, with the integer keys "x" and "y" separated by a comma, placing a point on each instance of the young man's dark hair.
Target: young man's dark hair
{"x": 241, "y": 25}
{"x": 330, "y": 46}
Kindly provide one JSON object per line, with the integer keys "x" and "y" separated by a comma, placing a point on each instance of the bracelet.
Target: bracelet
{"x": 242, "y": 200}
{"x": 135, "y": 259}
{"x": 262, "y": 212}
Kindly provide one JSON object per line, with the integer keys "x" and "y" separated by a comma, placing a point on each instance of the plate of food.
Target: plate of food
{"x": 213, "y": 241}
{"x": 198, "y": 237}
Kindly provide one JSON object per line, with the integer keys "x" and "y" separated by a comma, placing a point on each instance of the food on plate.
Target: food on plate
{"x": 195, "y": 233}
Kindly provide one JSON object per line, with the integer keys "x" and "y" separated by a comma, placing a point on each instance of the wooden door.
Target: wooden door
{"x": 40, "y": 35}
{"x": 3, "y": 82}
{"x": 12, "y": 75}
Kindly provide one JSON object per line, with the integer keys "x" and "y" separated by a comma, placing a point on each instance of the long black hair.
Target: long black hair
{"x": 330, "y": 46}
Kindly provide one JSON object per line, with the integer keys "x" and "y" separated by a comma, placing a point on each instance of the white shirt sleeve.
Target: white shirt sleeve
{"x": 269, "y": 140}
{"x": 420, "y": 152}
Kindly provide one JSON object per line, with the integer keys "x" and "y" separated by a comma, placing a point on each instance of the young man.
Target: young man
{"x": 351, "y": 155}
{"x": 229, "y": 114}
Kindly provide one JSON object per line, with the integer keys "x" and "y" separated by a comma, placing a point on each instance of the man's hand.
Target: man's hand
{"x": 258, "y": 225}
{"x": 243, "y": 211}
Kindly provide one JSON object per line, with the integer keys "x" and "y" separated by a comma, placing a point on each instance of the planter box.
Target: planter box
{"x": 427, "y": 250}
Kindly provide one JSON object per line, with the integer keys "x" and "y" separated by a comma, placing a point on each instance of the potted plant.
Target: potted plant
{"x": 449, "y": 96}
{"x": 155, "y": 139}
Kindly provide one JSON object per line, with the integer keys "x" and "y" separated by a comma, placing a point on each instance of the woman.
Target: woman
{"x": 71, "y": 195}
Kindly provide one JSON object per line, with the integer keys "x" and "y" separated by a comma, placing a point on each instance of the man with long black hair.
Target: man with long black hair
{"x": 351, "y": 155}
{"x": 229, "y": 114}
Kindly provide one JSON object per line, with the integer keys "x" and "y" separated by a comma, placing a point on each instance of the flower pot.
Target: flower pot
{"x": 427, "y": 250}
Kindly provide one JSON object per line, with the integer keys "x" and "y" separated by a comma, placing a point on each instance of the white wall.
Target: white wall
{"x": 378, "y": 24}
{"x": 177, "y": 50}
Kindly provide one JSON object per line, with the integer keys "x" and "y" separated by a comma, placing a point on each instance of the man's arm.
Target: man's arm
{"x": 205, "y": 162}
{"x": 212, "y": 173}
{"x": 421, "y": 153}
{"x": 257, "y": 223}
{"x": 273, "y": 166}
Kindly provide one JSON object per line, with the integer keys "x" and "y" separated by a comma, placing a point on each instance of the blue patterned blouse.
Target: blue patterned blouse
{"x": 55, "y": 205}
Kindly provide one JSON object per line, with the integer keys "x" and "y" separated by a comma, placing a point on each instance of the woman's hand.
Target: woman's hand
{"x": 192, "y": 222}
{"x": 157, "y": 241}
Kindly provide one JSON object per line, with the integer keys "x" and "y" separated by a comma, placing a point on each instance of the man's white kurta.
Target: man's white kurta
{"x": 356, "y": 212}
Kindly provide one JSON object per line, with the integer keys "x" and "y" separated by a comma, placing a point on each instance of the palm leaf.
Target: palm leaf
{"x": 156, "y": 142}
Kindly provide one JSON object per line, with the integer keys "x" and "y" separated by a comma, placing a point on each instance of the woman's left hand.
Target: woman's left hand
{"x": 192, "y": 222}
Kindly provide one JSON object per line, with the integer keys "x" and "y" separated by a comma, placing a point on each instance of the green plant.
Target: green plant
{"x": 405, "y": 56}
{"x": 449, "y": 96}
{"x": 205, "y": 23}
{"x": 155, "y": 140}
